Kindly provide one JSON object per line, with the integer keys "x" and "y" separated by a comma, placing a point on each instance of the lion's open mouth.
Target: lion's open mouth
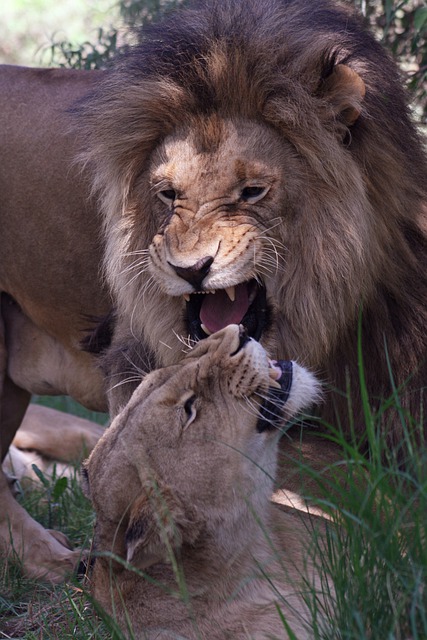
{"x": 244, "y": 304}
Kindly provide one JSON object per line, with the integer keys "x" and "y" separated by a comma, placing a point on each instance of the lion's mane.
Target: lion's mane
{"x": 357, "y": 254}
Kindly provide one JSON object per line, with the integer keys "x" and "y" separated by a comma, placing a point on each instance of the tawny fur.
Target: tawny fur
{"x": 183, "y": 494}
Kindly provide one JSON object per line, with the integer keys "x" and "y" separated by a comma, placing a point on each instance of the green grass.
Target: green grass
{"x": 373, "y": 565}
{"x": 377, "y": 557}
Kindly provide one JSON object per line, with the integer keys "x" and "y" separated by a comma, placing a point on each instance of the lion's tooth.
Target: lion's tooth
{"x": 231, "y": 292}
{"x": 274, "y": 383}
{"x": 205, "y": 329}
{"x": 186, "y": 297}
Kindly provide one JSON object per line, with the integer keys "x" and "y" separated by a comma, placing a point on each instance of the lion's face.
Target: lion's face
{"x": 237, "y": 236}
{"x": 219, "y": 193}
{"x": 202, "y": 432}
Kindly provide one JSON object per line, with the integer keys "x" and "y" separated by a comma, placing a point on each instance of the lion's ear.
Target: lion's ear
{"x": 159, "y": 525}
{"x": 345, "y": 90}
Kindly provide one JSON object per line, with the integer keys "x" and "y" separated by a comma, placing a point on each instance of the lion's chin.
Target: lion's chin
{"x": 247, "y": 306}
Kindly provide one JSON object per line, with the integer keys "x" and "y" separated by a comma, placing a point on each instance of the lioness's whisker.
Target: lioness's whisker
{"x": 125, "y": 381}
{"x": 188, "y": 342}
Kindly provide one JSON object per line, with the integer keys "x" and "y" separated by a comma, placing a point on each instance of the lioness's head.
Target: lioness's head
{"x": 194, "y": 443}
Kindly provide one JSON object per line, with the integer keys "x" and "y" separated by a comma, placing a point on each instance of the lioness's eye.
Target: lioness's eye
{"x": 167, "y": 196}
{"x": 253, "y": 194}
{"x": 190, "y": 410}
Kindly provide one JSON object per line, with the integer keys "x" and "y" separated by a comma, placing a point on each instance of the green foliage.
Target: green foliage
{"x": 58, "y": 503}
{"x": 87, "y": 55}
{"x": 110, "y": 42}
{"x": 402, "y": 26}
{"x": 375, "y": 559}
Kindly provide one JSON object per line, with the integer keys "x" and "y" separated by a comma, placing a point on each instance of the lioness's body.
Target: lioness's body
{"x": 181, "y": 485}
{"x": 235, "y": 596}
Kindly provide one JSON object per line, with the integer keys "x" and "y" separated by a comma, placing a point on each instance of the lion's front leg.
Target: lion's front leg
{"x": 22, "y": 539}
{"x": 41, "y": 553}
{"x": 14, "y": 402}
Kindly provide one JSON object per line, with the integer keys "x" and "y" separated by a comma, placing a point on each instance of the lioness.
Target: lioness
{"x": 250, "y": 162}
{"x": 181, "y": 486}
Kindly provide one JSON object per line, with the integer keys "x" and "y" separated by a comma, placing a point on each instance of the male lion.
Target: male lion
{"x": 181, "y": 485}
{"x": 256, "y": 164}
{"x": 260, "y": 152}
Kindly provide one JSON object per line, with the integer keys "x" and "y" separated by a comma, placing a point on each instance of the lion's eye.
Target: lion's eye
{"x": 167, "y": 196}
{"x": 253, "y": 194}
{"x": 190, "y": 410}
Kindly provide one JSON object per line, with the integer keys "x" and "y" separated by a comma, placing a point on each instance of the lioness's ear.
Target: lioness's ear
{"x": 344, "y": 89}
{"x": 159, "y": 525}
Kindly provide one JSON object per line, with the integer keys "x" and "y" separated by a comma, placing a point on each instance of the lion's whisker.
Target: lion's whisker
{"x": 135, "y": 264}
{"x": 137, "y": 252}
{"x": 149, "y": 287}
{"x": 136, "y": 276}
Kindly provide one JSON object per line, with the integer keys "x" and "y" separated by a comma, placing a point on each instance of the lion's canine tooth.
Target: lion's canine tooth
{"x": 205, "y": 329}
{"x": 231, "y": 292}
{"x": 186, "y": 297}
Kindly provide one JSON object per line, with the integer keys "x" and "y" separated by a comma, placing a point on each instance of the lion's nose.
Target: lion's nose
{"x": 196, "y": 273}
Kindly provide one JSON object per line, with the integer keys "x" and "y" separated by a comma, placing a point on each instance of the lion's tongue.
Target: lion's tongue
{"x": 218, "y": 311}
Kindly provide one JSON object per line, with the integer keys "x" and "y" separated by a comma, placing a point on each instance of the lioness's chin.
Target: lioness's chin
{"x": 243, "y": 304}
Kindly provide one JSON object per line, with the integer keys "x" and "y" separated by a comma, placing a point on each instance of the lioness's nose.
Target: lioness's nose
{"x": 196, "y": 273}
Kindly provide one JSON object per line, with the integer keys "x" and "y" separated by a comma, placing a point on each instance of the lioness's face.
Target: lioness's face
{"x": 200, "y": 429}
{"x": 218, "y": 194}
